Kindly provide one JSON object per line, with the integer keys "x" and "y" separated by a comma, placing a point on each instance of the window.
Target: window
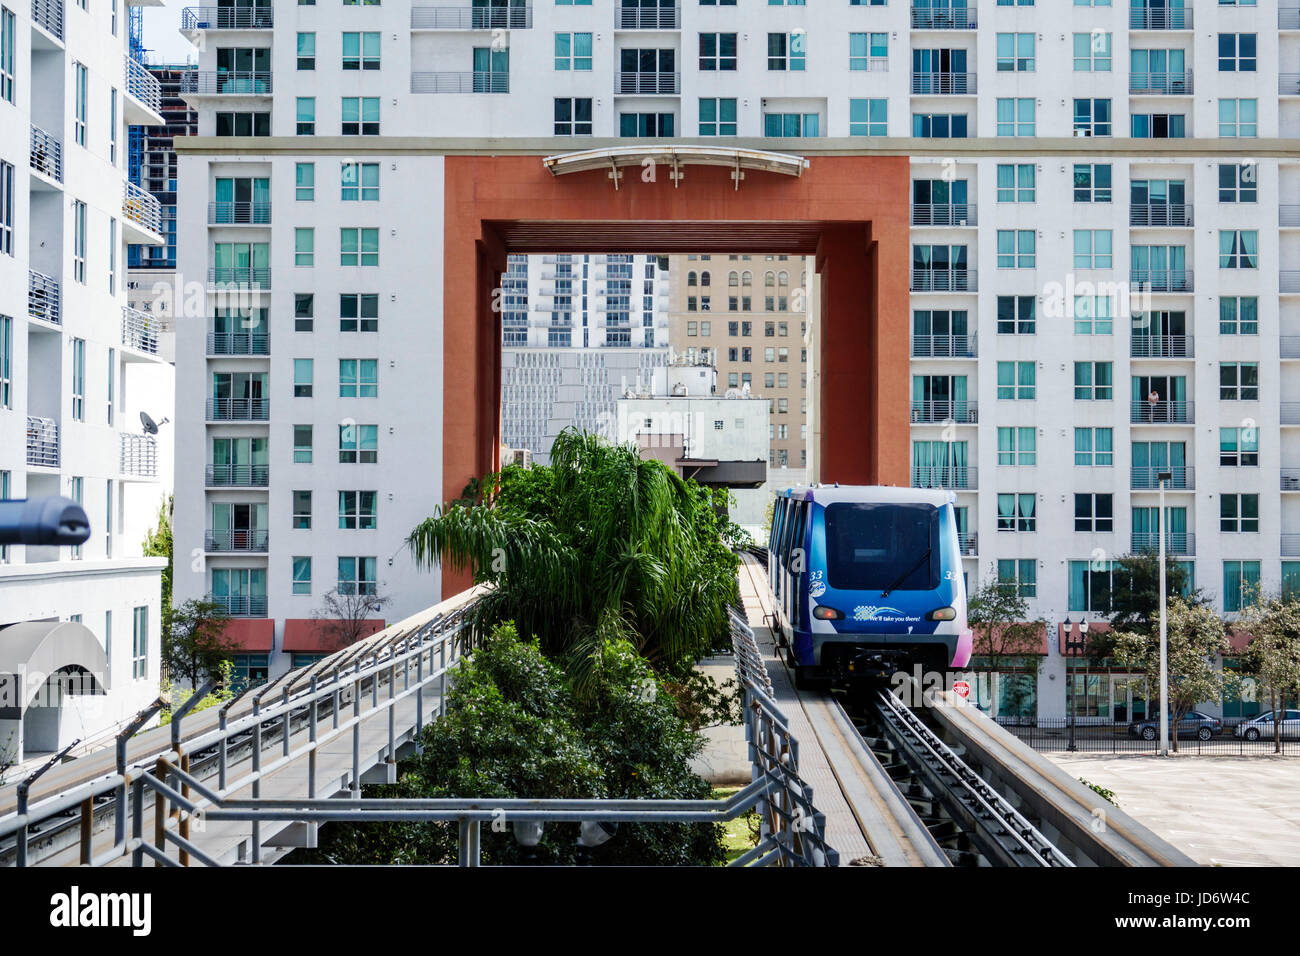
{"x": 360, "y": 51}
{"x": 6, "y": 208}
{"x": 1092, "y": 381}
{"x": 1092, "y": 182}
{"x": 307, "y": 51}
{"x": 1238, "y": 315}
{"x": 1016, "y": 248}
{"x": 244, "y": 124}
{"x": 717, "y": 51}
{"x": 304, "y": 310}
{"x": 1017, "y": 446}
{"x": 304, "y": 182}
{"x": 791, "y": 124}
{"x": 358, "y": 444}
{"x": 1016, "y": 380}
{"x": 6, "y": 54}
{"x": 1016, "y": 182}
{"x": 573, "y": 51}
{"x": 302, "y": 510}
{"x": 1093, "y": 315}
{"x": 112, "y": 126}
{"x": 360, "y": 182}
{"x": 6, "y": 364}
{"x": 112, "y": 375}
{"x": 1237, "y": 53}
{"x": 79, "y": 380}
{"x": 1022, "y": 573}
{"x": 79, "y": 241}
{"x": 868, "y": 117}
{"x": 1239, "y": 447}
{"x": 717, "y": 117}
{"x": 1015, "y": 52}
{"x": 1093, "y": 512}
{"x": 304, "y": 247}
{"x": 1092, "y": 249}
{"x": 358, "y": 247}
{"x": 1092, "y": 117}
{"x": 112, "y": 255}
{"x": 80, "y": 79}
{"x": 1240, "y": 584}
{"x": 357, "y": 576}
{"x": 302, "y": 369}
{"x": 1091, "y": 586}
{"x": 1016, "y": 116}
{"x": 573, "y": 116}
{"x": 302, "y": 444}
{"x": 939, "y": 125}
{"x": 302, "y": 575}
{"x": 358, "y": 378}
{"x": 869, "y": 51}
{"x": 1239, "y": 118}
{"x": 358, "y": 312}
{"x": 1238, "y": 249}
{"x": 360, "y": 116}
{"x": 1238, "y": 182}
{"x": 1016, "y": 315}
{"x": 357, "y": 510}
{"x": 1239, "y": 381}
{"x": 306, "y": 116}
{"x": 1239, "y": 513}
{"x": 1093, "y": 447}
{"x": 1092, "y": 52}
{"x": 785, "y": 52}
{"x": 140, "y": 643}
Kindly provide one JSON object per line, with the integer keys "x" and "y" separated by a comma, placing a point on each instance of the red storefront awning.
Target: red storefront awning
{"x": 308, "y": 635}
{"x": 251, "y": 635}
{"x": 1035, "y": 644}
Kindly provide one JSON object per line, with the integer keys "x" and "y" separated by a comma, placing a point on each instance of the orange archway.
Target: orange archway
{"x": 851, "y": 212}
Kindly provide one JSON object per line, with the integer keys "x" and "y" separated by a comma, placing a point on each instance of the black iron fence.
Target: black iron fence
{"x": 1090, "y": 735}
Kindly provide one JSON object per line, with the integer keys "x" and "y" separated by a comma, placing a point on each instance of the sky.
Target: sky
{"x": 162, "y": 35}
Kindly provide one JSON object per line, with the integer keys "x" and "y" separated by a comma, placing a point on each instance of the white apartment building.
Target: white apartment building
{"x": 73, "y": 356}
{"x": 1060, "y": 154}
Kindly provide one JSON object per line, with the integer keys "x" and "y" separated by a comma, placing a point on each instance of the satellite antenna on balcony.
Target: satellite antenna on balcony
{"x": 150, "y": 426}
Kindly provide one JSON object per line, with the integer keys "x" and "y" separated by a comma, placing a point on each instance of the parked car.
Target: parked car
{"x": 1262, "y": 726}
{"x": 1193, "y": 724}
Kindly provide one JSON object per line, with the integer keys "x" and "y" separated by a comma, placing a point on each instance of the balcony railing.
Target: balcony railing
{"x": 1288, "y": 280}
{"x": 1162, "y": 280}
{"x": 943, "y": 476}
{"x": 944, "y": 346}
{"x": 43, "y": 299}
{"x": 943, "y": 214}
{"x": 1290, "y": 545}
{"x": 239, "y": 409}
{"x": 515, "y": 17}
{"x": 648, "y": 84}
{"x": 1288, "y": 215}
{"x": 1161, "y": 346}
{"x": 254, "y": 276}
{"x": 963, "y": 413}
{"x": 647, "y": 18}
{"x": 1147, "y": 477}
{"x": 42, "y": 442}
{"x": 239, "y": 343}
{"x": 238, "y": 213}
{"x": 238, "y": 476}
{"x": 139, "y": 455}
{"x": 140, "y": 330}
{"x": 942, "y": 84}
{"x": 1288, "y": 84}
{"x": 943, "y": 280}
{"x": 475, "y": 81}
{"x": 1289, "y": 479}
{"x": 1175, "y": 84}
{"x": 46, "y": 154}
{"x": 1288, "y": 18}
{"x": 227, "y": 18}
{"x": 241, "y": 605}
{"x": 141, "y": 207}
{"x": 1143, "y": 412}
{"x": 1160, "y": 214}
{"x": 1160, "y": 18}
{"x": 1289, "y": 413}
{"x": 143, "y": 85}
{"x": 226, "y": 82}
{"x": 926, "y": 17}
{"x": 1176, "y": 542}
{"x": 968, "y": 542}
{"x": 244, "y": 539}
{"x": 49, "y": 14}
{"x": 1288, "y": 346}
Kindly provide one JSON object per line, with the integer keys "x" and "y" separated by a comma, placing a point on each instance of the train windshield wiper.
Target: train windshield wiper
{"x": 903, "y": 577}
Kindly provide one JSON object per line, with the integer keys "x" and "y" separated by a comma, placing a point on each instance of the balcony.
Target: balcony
{"x": 944, "y": 476}
{"x": 143, "y": 215}
{"x": 239, "y": 409}
{"x": 514, "y": 17}
{"x": 943, "y": 214}
{"x": 225, "y": 83}
{"x": 1288, "y": 216}
{"x": 1161, "y": 84}
{"x": 1288, "y": 18}
{"x": 944, "y": 346}
{"x": 647, "y": 18}
{"x": 943, "y": 84}
{"x": 1143, "y": 412}
{"x": 1146, "y": 477}
{"x": 238, "y": 476}
{"x": 943, "y": 412}
{"x": 477, "y": 81}
{"x": 227, "y": 18}
{"x": 1160, "y": 18}
{"x": 254, "y": 277}
{"x": 239, "y": 343}
{"x": 647, "y": 84}
{"x": 140, "y": 330}
{"x": 239, "y": 213}
{"x": 943, "y": 280}
{"x": 1290, "y": 545}
{"x": 242, "y": 539}
{"x": 968, "y": 543}
{"x": 46, "y": 155}
{"x": 139, "y": 458}
{"x": 1288, "y": 280}
{"x": 241, "y": 605}
{"x": 1288, "y": 84}
{"x": 48, "y": 14}
{"x": 927, "y": 17}
{"x": 1162, "y": 280}
{"x": 1160, "y": 214}
{"x": 143, "y": 101}
{"x": 1176, "y": 542}
{"x": 42, "y": 442}
{"x": 1161, "y": 346}
{"x": 43, "y": 297}
{"x": 1289, "y": 479}
{"x": 1289, "y": 413}
{"x": 1288, "y": 346}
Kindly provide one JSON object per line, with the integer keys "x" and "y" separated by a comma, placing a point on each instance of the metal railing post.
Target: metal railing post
{"x": 311, "y": 735}
{"x": 356, "y": 733}
{"x": 255, "y": 834}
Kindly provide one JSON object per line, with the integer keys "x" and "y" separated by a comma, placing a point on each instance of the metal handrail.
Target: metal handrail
{"x": 1161, "y": 346}
{"x": 942, "y": 83}
{"x": 944, "y": 476}
{"x": 1176, "y": 542}
{"x": 1288, "y": 280}
{"x": 239, "y": 213}
{"x": 235, "y": 475}
{"x": 1177, "y": 83}
{"x": 139, "y": 455}
{"x": 1288, "y": 346}
{"x": 1288, "y": 215}
{"x": 472, "y": 81}
{"x": 239, "y": 343}
{"x": 1162, "y": 280}
{"x": 238, "y": 409}
{"x": 43, "y": 298}
{"x": 1160, "y": 214}
{"x": 1160, "y": 18}
{"x": 968, "y": 542}
{"x": 257, "y": 276}
{"x": 1147, "y": 477}
{"x": 46, "y": 154}
{"x": 140, "y": 330}
{"x": 141, "y": 207}
{"x": 240, "y": 539}
{"x": 647, "y": 18}
{"x": 1288, "y": 84}
{"x": 1290, "y": 545}
{"x": 944, "y": 280}
{"x": 944, "y": 346}
{"x": 1289, "y": 413}
{"x": 49, "y": 14}
{"x": 1142, "y": 411}
{"x": 42, "y": 442}
{"x": 963, "y": 413}
{"x": 959, "y": 214}
{"x": 928, "y": 17}
{"x": 655, "y": 83}
{"x": 226, "y": 82}
{"x": 227, "y": 18}
{"x": 241, "y": 605}
{"x": 472, "y": 18}
{"x": 142, "y": 84}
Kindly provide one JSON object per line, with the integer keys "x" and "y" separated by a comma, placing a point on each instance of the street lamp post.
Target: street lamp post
{"x": 1074, "y": 647}
{"x": 1163, "y": 477}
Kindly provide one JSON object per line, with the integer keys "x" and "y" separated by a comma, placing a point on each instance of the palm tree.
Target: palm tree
{"x": 598, "y": 544}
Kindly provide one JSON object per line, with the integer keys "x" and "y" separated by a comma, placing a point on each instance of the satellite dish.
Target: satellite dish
{"x": 150, "y": 426}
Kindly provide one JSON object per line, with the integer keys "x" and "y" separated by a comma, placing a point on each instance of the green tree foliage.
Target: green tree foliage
{"x": 194, "y": 645}
{"x": 1272, "y": 657}
{"x": 158, "y": 544}
{"x": 1005, "y": 637}
{"x": 1135, "y": 598}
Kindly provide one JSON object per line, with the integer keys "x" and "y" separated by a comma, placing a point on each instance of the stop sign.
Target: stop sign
{"x": 961, "y": 688}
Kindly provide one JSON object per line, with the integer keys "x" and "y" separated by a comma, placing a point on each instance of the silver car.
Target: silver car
{"x": 1262, "y": 726}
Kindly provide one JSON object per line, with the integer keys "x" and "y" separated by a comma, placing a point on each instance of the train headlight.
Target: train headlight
{"x": 824, "y": 613}
{"x": 942, "y": 614}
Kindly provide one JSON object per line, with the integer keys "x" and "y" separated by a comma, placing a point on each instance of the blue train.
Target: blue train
{"x": 867, "y": 580}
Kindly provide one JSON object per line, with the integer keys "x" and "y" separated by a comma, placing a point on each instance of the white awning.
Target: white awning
{"x": 675, "y": 157}
{"x": 33, "y": 651}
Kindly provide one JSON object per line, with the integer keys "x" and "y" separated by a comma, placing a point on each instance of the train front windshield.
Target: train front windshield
{"x": 870, "y": 547}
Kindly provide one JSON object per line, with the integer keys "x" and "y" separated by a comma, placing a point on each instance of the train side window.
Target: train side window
{"x": 787, "y": 532}
{"x": 801, "y": 530}
{"x": 778, "y": 520}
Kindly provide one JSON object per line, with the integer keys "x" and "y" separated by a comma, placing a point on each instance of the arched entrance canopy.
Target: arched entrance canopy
{"x": 42, "y": 649}
{"x": 676, "y": 158}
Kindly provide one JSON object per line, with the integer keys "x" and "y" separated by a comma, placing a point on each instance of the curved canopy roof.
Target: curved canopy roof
{"x": 38, "y": 649}
{"x": 676, "y": 156}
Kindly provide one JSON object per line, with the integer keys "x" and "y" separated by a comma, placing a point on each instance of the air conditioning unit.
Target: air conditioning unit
{"x": 1082, "y": 132}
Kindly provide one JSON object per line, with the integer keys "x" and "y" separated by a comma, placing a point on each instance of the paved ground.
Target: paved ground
{"x": 1221, "y": 811}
